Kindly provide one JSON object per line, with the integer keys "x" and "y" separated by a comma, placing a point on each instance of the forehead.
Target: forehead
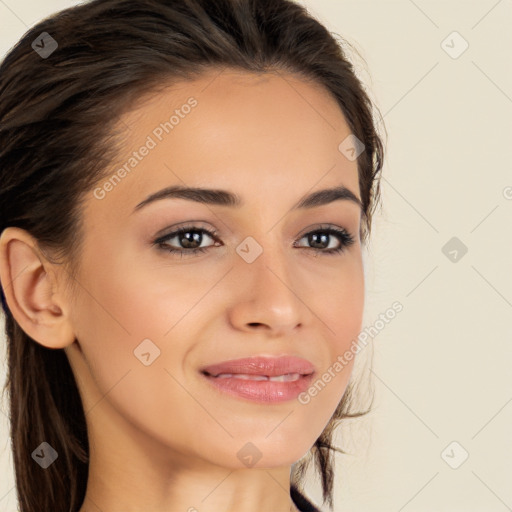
{"x": 274, "y": 133}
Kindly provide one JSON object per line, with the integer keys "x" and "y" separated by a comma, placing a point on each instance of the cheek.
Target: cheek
{"x": 341, "y": 313}
{"x": 341, "y": 308}
{"x": 131, "y": 366}
{"x": 129, "y": 314}
{"x": 127, "y": 301}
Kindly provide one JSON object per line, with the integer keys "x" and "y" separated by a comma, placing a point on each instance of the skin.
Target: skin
{"x": 162, "y": 439}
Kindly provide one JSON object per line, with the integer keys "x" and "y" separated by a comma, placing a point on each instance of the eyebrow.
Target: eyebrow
{"x": 225, "y": 198}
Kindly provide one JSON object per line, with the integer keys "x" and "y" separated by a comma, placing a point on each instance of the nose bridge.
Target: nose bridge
{"x": 266, "y": 254}
{"x": 268, "y": 285}
{"x": 273, "y": 267}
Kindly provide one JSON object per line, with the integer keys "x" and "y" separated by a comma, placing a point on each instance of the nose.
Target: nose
{"x": 268, "y": 295}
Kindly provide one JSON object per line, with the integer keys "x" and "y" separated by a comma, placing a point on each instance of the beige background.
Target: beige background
{"x": 441, "y": 368}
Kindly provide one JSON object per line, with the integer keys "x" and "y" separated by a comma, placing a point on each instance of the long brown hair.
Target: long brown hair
{"x": 59, "y": 108}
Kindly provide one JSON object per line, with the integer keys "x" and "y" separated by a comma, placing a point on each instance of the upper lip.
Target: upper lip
{"x": 262, "y": 365}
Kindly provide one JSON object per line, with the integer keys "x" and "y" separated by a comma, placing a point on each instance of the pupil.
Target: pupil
{"x": 314, "y": 242}
{"x": 196, "y": 237}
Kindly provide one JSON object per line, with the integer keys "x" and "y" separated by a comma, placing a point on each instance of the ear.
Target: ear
{"x": 30, "y": 288}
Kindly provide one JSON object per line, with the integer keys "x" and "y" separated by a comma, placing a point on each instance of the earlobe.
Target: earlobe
{"x": 29, "y": 286}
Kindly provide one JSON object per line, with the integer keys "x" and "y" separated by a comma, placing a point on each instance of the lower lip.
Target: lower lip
{"x": 264, "y": 391}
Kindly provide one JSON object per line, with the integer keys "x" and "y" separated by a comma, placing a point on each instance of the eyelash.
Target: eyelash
{"x": 344, "y": 236}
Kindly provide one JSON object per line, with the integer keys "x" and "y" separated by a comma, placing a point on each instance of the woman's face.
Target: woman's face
{"x": 147, "y": 320}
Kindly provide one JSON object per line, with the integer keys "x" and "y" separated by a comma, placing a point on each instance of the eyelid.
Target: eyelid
{"x": 189, "y": 224}
{"x": 193, "y": 226}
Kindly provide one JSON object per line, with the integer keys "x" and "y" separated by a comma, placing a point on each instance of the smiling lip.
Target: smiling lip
{"x": 267, "y": 366}
{"x": 238, "y": 378}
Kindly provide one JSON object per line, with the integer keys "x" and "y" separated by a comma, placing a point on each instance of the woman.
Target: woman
{"x": 186, "y": 190}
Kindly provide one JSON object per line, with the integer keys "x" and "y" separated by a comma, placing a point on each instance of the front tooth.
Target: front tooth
{"x": 241, "y": 376}
{"x": 249, "y": 377}
{"x": 285, "y": 378}
{"x": 289, "y": 377}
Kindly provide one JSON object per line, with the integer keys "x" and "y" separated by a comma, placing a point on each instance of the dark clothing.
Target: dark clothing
{"x": 301, "y": 502}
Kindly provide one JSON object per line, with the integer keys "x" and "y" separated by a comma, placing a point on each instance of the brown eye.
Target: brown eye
{"x": 322, "y": 237}
{"x": 188, "y": 239}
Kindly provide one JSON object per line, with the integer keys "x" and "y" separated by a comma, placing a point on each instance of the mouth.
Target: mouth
{"x": 282, "y": 369}
{"x": 261, "y": 379}
{"x": 287, "y": 377}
